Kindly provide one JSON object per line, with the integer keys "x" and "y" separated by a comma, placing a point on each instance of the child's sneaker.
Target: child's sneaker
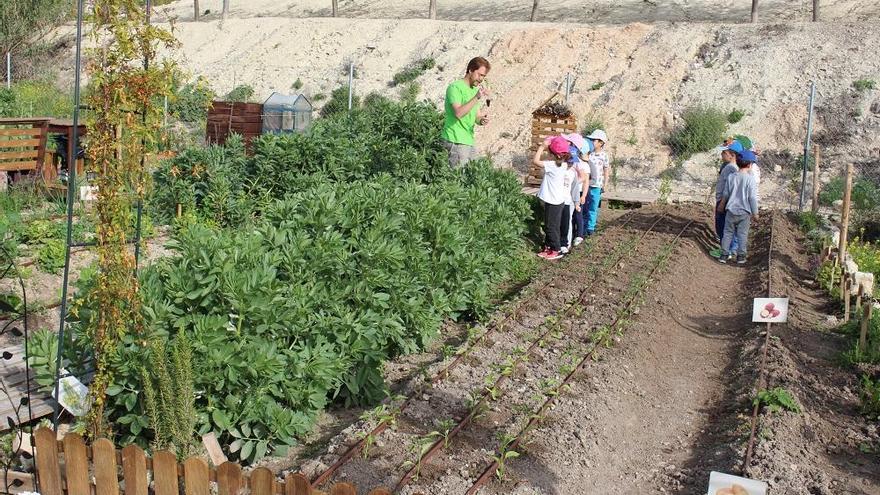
{"x": 563, "y": 250}
{"x": 722, "y": 259}
{"x": 578, "y": 241}
{"x": 553, "y": 255}
{"x": 715, "y": 253}
{"x": 740, "y": 260}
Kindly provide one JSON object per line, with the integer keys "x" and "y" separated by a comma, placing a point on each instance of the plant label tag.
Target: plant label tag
{"x": 770, "y": 310}
{"x": 74, "y": 395}
{"x": 88, "y": 193}
{"x": 727, "y": 484}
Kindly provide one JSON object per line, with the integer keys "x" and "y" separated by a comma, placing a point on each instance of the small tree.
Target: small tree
{"x": 196, "y": 10}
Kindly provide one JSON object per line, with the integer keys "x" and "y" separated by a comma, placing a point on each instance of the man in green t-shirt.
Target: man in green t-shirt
{"x": 463, "y": 111}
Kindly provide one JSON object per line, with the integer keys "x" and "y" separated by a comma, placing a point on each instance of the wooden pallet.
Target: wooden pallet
{"x": 225, "y": 118}
{"x": 544, "y": 126}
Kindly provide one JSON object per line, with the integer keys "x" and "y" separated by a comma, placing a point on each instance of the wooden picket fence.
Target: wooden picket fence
{"x": 70, "y": 467}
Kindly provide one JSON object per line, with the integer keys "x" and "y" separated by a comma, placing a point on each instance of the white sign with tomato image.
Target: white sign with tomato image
{"x": 770, "y": 310}
{"x": 726, "y": 484}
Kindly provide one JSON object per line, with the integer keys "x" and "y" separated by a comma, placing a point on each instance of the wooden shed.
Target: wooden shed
{"x": 226, "y": 117}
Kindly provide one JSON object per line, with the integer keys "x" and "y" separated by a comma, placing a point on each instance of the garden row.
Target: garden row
{"x": 296, "y": 273}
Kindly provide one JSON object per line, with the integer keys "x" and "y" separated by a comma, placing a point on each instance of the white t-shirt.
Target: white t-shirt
{"x": 571, "y": 182}
{"x": 598, "y": 161}
{"x": 755, "y": 170}
{"x": 554, "y": 188}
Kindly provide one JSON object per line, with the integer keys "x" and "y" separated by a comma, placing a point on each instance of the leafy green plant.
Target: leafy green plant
{"x": 410, "y": 91}
{"x": 597, "y": 86}
{"x": 412, "y": 71}
{"x": 240, "y": 93}
{"x": 338, "y": 102}
{"x": 297, "y": 85}
{"x": 665, "y": 189}
{"x": 319, "y": 97}
{"x": 809, "y": 221}
{"x": 776, "y": 399}
{"x": 865, "y": 194}
{"x": 864, "y": 84}
{"x": 592, "y": 122}
{"x": 34, "y": 98}
{"x": 190, "y": 101}
{"x": 505, "y": 453}
{"x": 870, "y": 397}
{"x": 50, "y": 255}
{"x": 702, "y": 128}
{"x": 735, "y": 115}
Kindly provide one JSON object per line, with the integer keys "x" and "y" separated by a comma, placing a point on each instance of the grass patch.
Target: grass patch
{"x": 35, "y": 99}
{"x": 412, "y": 71}
{"x": 702, "y": 129}
{"x": 592, "y": 122}
{"x": 410, "y": 91}
{"x": 735, "y": 115}
{"x": 864, "y": 84}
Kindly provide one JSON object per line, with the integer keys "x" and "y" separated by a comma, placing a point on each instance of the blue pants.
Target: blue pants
{"x": 591, "y": 209}
{"x": 719, "y": 228}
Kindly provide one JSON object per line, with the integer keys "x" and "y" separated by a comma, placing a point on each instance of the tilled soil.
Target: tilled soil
{"x": 669, "y": 402}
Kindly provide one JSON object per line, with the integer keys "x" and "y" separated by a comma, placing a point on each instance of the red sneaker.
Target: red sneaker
{"x": 553, "y": 255}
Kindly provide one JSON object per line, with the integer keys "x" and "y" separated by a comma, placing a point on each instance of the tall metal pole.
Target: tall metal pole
{"x": 754, "y": 10}
{"x": 8, "y": 70}
{"x": 807, "y": 145}
{"x": 815, "y": 10}
{"x": 567, "y": 86}
{"x": 71, "y": 190}
{"x": 140, "y": 200}
{"x": 350, "y": 83}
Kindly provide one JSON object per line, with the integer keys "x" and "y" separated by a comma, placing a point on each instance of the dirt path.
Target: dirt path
{"x": 650, "y": 406}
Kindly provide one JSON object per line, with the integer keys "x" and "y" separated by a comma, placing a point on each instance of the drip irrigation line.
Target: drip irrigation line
{"x": 441, "y": 443}
{"x": 762, "y": 373}
{"x": 537, "y": 416}
{"x": 444, "y": 373}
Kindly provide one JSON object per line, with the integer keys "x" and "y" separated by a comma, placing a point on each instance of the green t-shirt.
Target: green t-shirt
{"x": 455, "y": 130}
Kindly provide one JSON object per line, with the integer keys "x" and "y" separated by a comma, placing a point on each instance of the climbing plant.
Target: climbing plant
{"x": 122, "y": 125}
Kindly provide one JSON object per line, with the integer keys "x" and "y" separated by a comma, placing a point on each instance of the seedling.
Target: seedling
{"x": 443, "y": 428}
{"x": 504, "y": 454}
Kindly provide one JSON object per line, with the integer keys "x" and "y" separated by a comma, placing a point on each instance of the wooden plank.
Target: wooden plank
{"x": 33, "y": 132}
{"x": 236, "y": 119}
{"x": 76, "y": 465}
{"x": 215, "y": 452}
{"x": 20, "y": 143}
{"x": 262, "y": 482}
{"x": 49, "y": 476}
{"x": 104, "y": 460}
{"x": 134, "y": 470}
{"x": 18, "y": 482}
{"x": 343, "y": 489}
{"x": 23, "y": 120}
{"x": 196, "y": 477}
{"x": 165, "y": 473}
{"x": 13, "y": 166}
{"x": 297, "y": 484}
{"x": 10, "y": 155}
{"x": 229, "y": 480}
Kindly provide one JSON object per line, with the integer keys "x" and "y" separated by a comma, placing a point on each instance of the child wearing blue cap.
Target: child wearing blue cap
{"x": 728, "y": 167}
{"x": 739, "y": 201}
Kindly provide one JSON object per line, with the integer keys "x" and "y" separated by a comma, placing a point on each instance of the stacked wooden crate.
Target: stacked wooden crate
{"x": 543, "y": 126}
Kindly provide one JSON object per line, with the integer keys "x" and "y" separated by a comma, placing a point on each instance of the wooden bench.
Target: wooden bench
{"x": 22, "y": 144}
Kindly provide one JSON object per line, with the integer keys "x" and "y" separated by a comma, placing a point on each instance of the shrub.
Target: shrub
{"x": 242, "y": 93}
{"x": 191, "y": 101}
{"x": 777, "y": 399}
{"x": 410, "y": 92}
{"x": 35, "y": 99}
{"x": 809, "y": 221}
{"x": 412, "y": 71}
{"x": 591, "y": 123}
{"x": 865, "y": 194}
{"x": 735, "y": 116}
{"x": 338, "y": 102}
{"x": 702, "y": 129}
{"x": 870, "y": 397}
{"x": 297, "y": 85}
{"x": 864, "y": 84}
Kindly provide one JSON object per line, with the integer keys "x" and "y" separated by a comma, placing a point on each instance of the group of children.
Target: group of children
{"x": 736, "y": 199}
{"x": 571, "y": 189}
{"x": 575, "y": 179}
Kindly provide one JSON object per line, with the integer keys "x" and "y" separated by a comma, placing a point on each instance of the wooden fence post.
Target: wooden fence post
{"x": 134, "y": 470}
{"x": 229, "y": 480}
{"x": 165, "y": 473}
{"x": 334, "y": 7}
{"x": 846, "y": 297}
{"x": 844, "y": 216}
{"x": 297, "y": 484}
{"x": 815, "y": 205}
{"x": 196, "y": 477}
{"x": 815, "y": 10}
{"x": 104, "y": 461}
{"x": 76, "y": 465}
{"x": 754, "y": 10}
{"x": 866, "y": 322}
{"x": 534, "y": 11}
{"x": 48, "y": 470}
{"x": 343, "y": 489}
{"x": 262, "y": 482}
{"x": 432, "y": 9}
{"x": 859, "y": 296}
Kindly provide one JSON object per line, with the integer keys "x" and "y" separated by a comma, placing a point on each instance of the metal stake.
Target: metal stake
{"x": 350, "y": 83}
{"x": 8, "y": 70}
{"x": 807, "y": 145}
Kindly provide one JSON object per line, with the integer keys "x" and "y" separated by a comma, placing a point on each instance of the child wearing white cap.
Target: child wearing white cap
{"x": 600, "y": 169}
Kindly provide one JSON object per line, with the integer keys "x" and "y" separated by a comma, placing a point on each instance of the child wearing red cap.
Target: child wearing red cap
{"x": 555, "y": 187}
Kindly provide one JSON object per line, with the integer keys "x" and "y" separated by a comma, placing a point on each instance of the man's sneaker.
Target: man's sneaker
{"x": 740, "y": 260}
{"x": 722, "y": 259}
{"x": 715, "y": 253}
{"x": 553, "y": 255}
{"x": 563, "y": 250}
{"x": 578, "y": 241}
{"x": 544, "y": 252}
